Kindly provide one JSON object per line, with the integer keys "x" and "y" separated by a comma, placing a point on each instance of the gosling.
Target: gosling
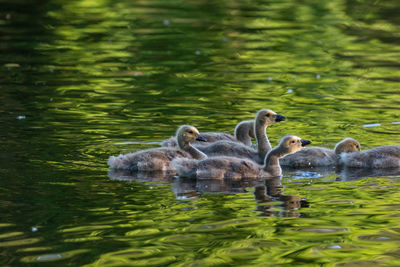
{"x": 237, "y": 168}
{"x": 381, "y": 157}
{"x": 243, "y": 133}
{"x": 263, "y": 118}
{"x": 320, "y": 156}
{"x": 160, "y": 159}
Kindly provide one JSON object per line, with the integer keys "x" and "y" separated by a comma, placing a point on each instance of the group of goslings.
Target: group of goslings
{"x": 218, "y": 155}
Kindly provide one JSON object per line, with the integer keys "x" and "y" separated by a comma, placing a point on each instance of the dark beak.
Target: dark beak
{"x": 305, "y": 142}
{"x": 279, "y": 118}
{"x": 201, "y": 138}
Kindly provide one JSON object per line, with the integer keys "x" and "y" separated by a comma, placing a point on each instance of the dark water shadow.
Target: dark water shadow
{"x": 339, "y": 173}
{"x": 148, "y": 176}
{"x": 351, "y": 174}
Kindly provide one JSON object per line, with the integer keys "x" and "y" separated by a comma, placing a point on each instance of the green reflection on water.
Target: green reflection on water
{"x": 78, "y": 77}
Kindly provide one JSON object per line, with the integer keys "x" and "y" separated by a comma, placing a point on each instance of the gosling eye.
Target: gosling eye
{"x": 268, "y": 115}
{"x": 190, "y": 131}
{"x": 293, "y": 141}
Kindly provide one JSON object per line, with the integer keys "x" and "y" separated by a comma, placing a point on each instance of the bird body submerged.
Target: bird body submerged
{"x": 320, "y": 156}
{"x": 378, "y": 158}
{"x": 148, "y": 160}
{"x": 310, "y": 157}
{"x": 160, "y": 159}
{"x": 217, "y": 167}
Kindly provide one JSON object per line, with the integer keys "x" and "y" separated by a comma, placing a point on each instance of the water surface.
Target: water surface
{"x": 83, "y": 80}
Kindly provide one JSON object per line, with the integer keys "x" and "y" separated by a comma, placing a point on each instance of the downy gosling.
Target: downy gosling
{"x": 243, "y": 133}
{"x": 160, "y": 159}
{"x": 237, "y": 168}
{"x": 320, "y": 156}
{"x": 263, "y": 118}
{"x": 381, "y": 157}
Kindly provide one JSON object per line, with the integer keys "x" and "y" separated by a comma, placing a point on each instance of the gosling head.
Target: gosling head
{"x": 291, "y": 144}
{"x": 187, "y": 134}
{"x": 267, "y": 117}
{"x": 347, "y": 145}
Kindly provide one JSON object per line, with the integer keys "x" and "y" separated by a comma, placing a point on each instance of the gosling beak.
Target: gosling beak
{"x": 279, "y": 118}
{"x": 305, "y": 142}
{"x": 201, "y": 138}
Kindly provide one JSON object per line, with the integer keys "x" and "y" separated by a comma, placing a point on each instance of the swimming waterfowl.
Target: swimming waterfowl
{"x": 237, "y": 168}
{"x": 377, "y": 158}
{"x": 320, "y": 156}
{"x": 243, "y": 133}
{"x": 160, "y": 159}
{"x": 263, "y": 118}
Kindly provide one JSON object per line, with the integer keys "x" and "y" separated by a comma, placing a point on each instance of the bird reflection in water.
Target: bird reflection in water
{"x": 271, "y": 190}
{"x": 265, "y": 190}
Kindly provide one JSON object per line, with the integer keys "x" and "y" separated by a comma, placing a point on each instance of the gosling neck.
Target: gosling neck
{"x": 194, "y": 152}
{"x": 244, "y": 131}
{"x": 339, "y": 149}
{"x": 271, "y": 164}
{"x": 263, "y": 144}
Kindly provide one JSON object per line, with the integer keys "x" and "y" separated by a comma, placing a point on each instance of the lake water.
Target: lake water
{"x": 83, "y": 80}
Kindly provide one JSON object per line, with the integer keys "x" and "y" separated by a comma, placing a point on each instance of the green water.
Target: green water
{"x": 83, "y": 80}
